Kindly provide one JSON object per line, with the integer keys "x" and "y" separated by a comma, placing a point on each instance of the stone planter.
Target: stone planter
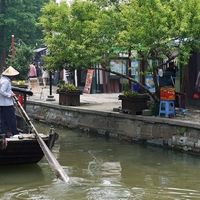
{"x": 134, "y": 105}
{"x": 70, "y": 98}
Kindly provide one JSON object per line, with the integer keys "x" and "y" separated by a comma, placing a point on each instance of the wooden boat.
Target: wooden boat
{"x": 24, "y": 148}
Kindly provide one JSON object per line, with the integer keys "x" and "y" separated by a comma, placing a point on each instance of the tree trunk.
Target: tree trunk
{"x": 1, "y": 61}
{"x": 2, "y": 27}
{"x": 129, "y": 66}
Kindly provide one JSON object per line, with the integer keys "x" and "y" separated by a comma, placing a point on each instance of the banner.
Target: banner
{"x": 88, "y": 81}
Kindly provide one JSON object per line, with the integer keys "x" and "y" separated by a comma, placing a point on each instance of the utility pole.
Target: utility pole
{"x": 13, "y": 47}
{"x": 50, "y": 97}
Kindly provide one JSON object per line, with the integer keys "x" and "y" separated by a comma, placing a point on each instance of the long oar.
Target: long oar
{"x": 49, "y": 156}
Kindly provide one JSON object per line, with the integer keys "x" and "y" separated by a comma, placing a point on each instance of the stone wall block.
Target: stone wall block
{"x": 156, "y": 141}
{"x": 149, "y": 130}
{"x": 197, "y": 144}
{"x": 157, "y": 131}
{"x": 193, "y": 133}
{"x": 128, "y": 127}
{"x": 182, "y": 141}
{"x": 146, "y": 131}
{"x": 170, "y": 142}
{"x": 190, "y": 144}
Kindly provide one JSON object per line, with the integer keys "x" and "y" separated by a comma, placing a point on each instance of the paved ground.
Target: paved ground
{"x": 105, "y": 102}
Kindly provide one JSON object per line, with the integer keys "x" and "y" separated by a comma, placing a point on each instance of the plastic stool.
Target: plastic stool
{"x": 167, "y": 107}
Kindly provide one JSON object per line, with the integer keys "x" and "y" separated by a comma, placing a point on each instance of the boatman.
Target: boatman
{"x": 8, "y": 118}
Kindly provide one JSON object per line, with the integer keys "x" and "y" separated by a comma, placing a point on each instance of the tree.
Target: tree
{"x": 18, "y": 18}
{"x": 68, "y": 34}
{"x": 158, "y": 30}
{"x": 23, "y": 57}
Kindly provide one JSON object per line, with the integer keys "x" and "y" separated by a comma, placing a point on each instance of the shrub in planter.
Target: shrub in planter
{"x": 133, "y": 102}
{"x": 67, "y": 87}
{"x": 69, "y": 95}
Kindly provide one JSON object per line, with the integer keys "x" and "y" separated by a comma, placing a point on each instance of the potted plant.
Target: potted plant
{"x": 69, "y": 94}
{"x": 133, "y": 102}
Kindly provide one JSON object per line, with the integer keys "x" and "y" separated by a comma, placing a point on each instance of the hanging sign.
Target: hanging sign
{"x": 88, "y": 81}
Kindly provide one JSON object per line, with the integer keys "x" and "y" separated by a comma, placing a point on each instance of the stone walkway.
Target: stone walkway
{"x": 106, "y": 102}
{"x": 103, "y": 102}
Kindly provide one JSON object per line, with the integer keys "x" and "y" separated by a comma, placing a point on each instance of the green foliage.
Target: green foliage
{"x": 181, "y": 131}
{"x": 67, "y": 87}
{"x": 61, "y": 82}
{"x": 23, "y": 58}
{"x": 19, "y": 18}
{"x": 130, "y": 93}
{"x": 125, "y": 86}
{"x": 154, "y": 107}
{"x": 84, "y": 34}
{"x": 78, "y": 28}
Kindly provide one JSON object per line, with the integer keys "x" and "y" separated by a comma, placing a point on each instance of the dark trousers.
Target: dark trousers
{"x": 8, "y": 120}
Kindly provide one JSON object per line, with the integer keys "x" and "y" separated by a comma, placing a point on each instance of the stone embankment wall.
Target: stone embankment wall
{"x": 171, "y": 133}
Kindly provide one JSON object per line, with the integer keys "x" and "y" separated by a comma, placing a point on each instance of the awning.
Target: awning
{"x": 40, "y": 49}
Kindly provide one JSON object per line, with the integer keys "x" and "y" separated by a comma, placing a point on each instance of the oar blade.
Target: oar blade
{"x": 60, "y": 173}
{"x": 58, "y": 170}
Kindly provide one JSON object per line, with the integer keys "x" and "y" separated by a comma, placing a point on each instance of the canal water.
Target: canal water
{"x": 103, "y": 169}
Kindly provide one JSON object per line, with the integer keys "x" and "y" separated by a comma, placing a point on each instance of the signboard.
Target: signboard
{"x": 149, "y": 83}
{"x": 88, "y": 81}
{"x": 134, "y": 67}
{"x": 118, "y": 65}
{"x": 34, "y": 84}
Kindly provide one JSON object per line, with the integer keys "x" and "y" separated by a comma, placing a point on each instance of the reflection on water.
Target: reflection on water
{"x": 102, "y": 169}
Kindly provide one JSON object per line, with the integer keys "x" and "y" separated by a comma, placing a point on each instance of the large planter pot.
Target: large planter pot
{"x": 134, "y": 105}
{"x": 70, "y": 98}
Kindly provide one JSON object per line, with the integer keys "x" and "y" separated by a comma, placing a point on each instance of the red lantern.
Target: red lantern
{"x": 196, "y": 96}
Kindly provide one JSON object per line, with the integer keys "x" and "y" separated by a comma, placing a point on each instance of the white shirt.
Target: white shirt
{"x": 45, "y": 74}
{"x": 5, "y": 92}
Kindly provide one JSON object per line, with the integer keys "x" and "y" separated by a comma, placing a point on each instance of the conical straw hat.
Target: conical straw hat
{"x": 10, "y": 71}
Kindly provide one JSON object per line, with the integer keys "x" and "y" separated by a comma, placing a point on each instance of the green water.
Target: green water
{"x": 104, "y": 169}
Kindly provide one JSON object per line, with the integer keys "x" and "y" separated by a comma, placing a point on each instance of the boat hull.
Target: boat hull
{"x": 24, "y": 149}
